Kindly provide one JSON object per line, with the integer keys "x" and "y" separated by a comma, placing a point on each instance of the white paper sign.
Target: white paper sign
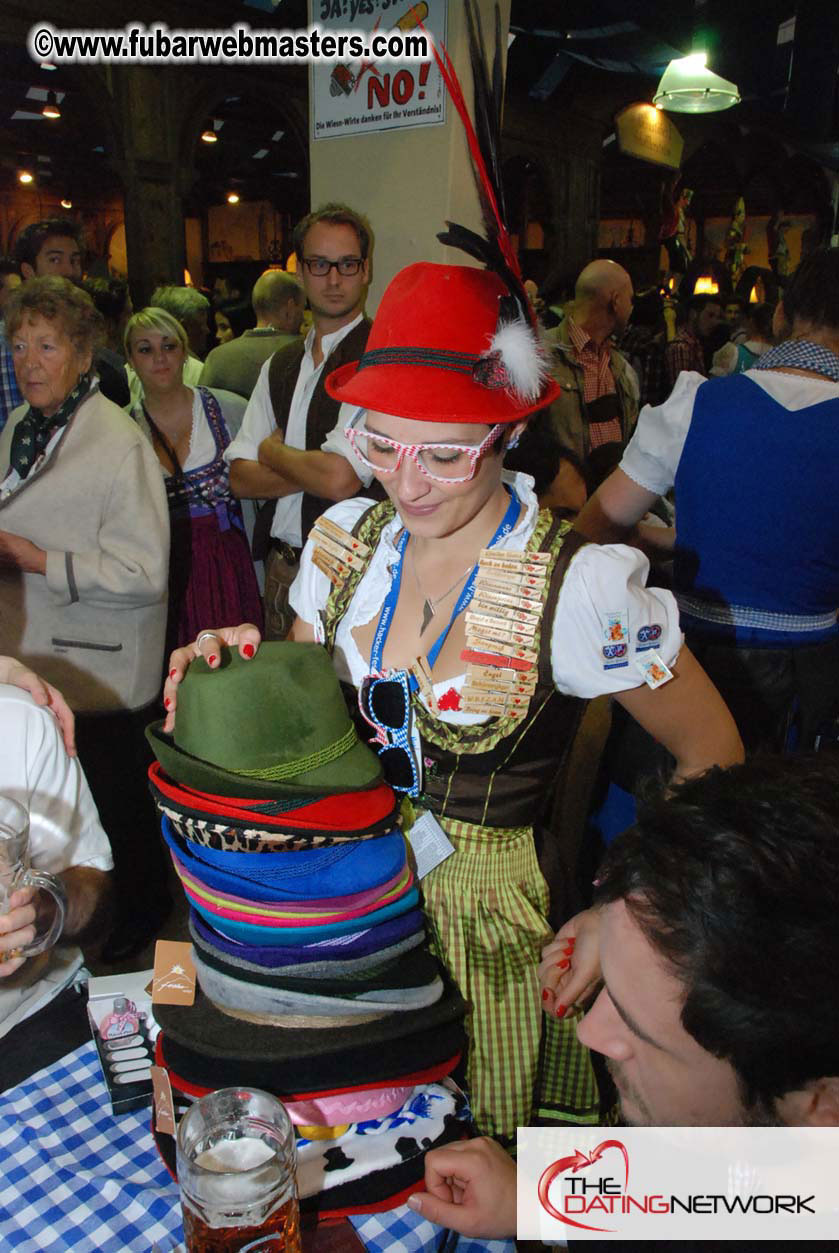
{"x": 359, "y": 95}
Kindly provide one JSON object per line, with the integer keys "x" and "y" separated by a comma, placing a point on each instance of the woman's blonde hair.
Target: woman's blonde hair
{"x": 154, "y": 319}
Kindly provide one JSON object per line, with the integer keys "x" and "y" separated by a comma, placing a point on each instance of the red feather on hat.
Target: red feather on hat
{"x": 516, "y": 345}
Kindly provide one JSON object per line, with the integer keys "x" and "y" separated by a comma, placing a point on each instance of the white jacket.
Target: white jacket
{"x": 95, "y": 625}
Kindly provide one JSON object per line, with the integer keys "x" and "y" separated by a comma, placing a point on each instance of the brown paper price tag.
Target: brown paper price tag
{"x": 174, "y": 974}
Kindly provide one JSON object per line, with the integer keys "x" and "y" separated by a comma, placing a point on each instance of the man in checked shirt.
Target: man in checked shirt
{"x": 596, "y": 412}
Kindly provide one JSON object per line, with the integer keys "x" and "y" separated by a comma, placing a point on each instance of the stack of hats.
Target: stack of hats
{"x": 315, "y": 981}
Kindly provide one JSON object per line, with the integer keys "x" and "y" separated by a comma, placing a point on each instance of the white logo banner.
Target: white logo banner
{"x": 678, "y": 1183}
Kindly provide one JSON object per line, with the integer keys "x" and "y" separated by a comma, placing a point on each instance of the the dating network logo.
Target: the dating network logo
{"x": 574, "y": 1193}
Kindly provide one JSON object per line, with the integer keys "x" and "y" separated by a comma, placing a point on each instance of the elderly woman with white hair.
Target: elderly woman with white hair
{"x": 210, "y": 567}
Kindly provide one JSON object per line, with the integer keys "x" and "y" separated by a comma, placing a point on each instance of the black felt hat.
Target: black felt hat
{"x": 210, "y": 1048}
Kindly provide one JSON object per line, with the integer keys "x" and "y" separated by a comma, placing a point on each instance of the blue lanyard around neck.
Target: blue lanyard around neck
{"x": 389, "y": 606}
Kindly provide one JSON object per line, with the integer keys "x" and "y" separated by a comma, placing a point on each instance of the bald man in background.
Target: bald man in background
{"x": 596, "y": 412}
{"x": 278, "y": 301}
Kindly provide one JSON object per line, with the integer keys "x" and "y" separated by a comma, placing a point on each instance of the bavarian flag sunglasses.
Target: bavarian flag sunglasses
{"x": 385, "y": 704}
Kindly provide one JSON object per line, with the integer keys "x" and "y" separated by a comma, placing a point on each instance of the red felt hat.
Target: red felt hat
{"x": 446, "y": 346}
{"x": 345, "y": 816}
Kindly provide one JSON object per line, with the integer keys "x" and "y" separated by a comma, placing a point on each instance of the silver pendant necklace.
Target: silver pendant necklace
{"x": 429, "y": 607}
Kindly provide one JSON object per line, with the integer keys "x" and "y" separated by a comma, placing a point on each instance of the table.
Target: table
{"x": 77, "y": 1178}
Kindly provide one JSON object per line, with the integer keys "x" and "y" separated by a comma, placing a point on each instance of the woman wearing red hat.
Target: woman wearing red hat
{"x": 474, "y": 627}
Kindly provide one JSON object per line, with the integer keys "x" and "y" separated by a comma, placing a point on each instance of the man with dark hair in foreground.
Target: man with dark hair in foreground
{"x": 718, "y": 950}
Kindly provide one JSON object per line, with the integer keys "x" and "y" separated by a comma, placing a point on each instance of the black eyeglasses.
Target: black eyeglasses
{"x": 320, "y": 266}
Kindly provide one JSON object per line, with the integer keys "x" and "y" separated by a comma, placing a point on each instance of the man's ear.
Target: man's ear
{"x": 815, "y": 1105}
{"x": 26, "y": 270}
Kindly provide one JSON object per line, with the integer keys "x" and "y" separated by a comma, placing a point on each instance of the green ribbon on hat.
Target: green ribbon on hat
{"x": 288, "y": 769}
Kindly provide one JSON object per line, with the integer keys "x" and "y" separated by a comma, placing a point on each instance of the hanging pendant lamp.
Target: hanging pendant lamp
{"x": 688, "y": 86}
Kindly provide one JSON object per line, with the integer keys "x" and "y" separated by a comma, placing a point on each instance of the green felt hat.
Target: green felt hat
{"x": 276, "y": 725}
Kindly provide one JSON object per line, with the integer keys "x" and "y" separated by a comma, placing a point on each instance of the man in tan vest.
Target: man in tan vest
{"x": 598, "y": 407}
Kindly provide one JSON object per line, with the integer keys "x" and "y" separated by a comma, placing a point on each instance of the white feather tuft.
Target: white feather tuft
{"x": 523, "y": 358}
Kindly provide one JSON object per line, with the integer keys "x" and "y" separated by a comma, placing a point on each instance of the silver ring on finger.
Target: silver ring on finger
{"x": 205, "y": 635}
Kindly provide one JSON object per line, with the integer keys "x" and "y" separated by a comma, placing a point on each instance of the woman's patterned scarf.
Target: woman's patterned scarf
{"x": 34, "y": 431}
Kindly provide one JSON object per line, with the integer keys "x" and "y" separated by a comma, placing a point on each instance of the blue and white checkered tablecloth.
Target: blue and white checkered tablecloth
{"x": 74, "y": 1177}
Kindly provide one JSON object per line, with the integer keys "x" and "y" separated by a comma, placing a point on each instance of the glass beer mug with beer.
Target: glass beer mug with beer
{"x": 237, "y": 1168}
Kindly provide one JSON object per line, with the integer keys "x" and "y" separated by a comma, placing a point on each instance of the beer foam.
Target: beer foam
{"x": 243, "y": 1153}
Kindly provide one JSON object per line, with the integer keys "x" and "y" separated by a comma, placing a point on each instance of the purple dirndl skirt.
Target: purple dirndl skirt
{"x": 212, "y": 582}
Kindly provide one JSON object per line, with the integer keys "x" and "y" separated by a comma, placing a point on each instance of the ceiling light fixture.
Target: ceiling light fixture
{"x": 688, "y": 86}
{"x": 66, "y": 204}
{"x": 51, "y": 109}
{"x": 209, "y": 137}
{"x": 232, "y": 197}
{"x": 24, "y": 176}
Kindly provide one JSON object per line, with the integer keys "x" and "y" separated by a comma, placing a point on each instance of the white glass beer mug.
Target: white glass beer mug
{"x": 237, "y": 1172}
{"x": 16, "y": 873}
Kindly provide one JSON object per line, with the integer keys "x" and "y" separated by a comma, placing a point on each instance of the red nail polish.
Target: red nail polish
{"x": 545, "y": 994}
{"x": 172, "y": 674}
{"x": 564, "y": 964}
{"x": 167, "y": 704}
{"x": 211, "y": 659}
{"x": 560, "y": 1011}
{"x": 248, "y": 650}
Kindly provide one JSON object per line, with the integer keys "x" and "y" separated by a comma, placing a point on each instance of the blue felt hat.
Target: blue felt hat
{"x": 256, "y": 933}
{"x": 308, "y": 875}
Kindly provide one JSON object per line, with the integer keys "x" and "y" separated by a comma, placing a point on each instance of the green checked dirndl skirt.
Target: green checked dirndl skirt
{"x": 486, "y": 907}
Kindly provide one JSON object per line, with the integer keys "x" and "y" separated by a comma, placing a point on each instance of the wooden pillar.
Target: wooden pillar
{"x": 147, "y": 102}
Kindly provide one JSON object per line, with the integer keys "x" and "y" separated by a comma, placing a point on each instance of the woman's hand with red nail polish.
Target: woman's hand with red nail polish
{"x": 208, "y": 645}
{"x": 570, "y": 967}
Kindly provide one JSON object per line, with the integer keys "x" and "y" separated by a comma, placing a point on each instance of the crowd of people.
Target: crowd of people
{"x": 506, "y": 505}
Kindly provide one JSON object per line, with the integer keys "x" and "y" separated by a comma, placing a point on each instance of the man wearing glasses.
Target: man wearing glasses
{"x": 278, "y": 455}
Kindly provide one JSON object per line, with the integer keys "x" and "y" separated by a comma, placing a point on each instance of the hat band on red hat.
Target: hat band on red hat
{"x": 439, "y": 358}
{"x": 488, "y": 370}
